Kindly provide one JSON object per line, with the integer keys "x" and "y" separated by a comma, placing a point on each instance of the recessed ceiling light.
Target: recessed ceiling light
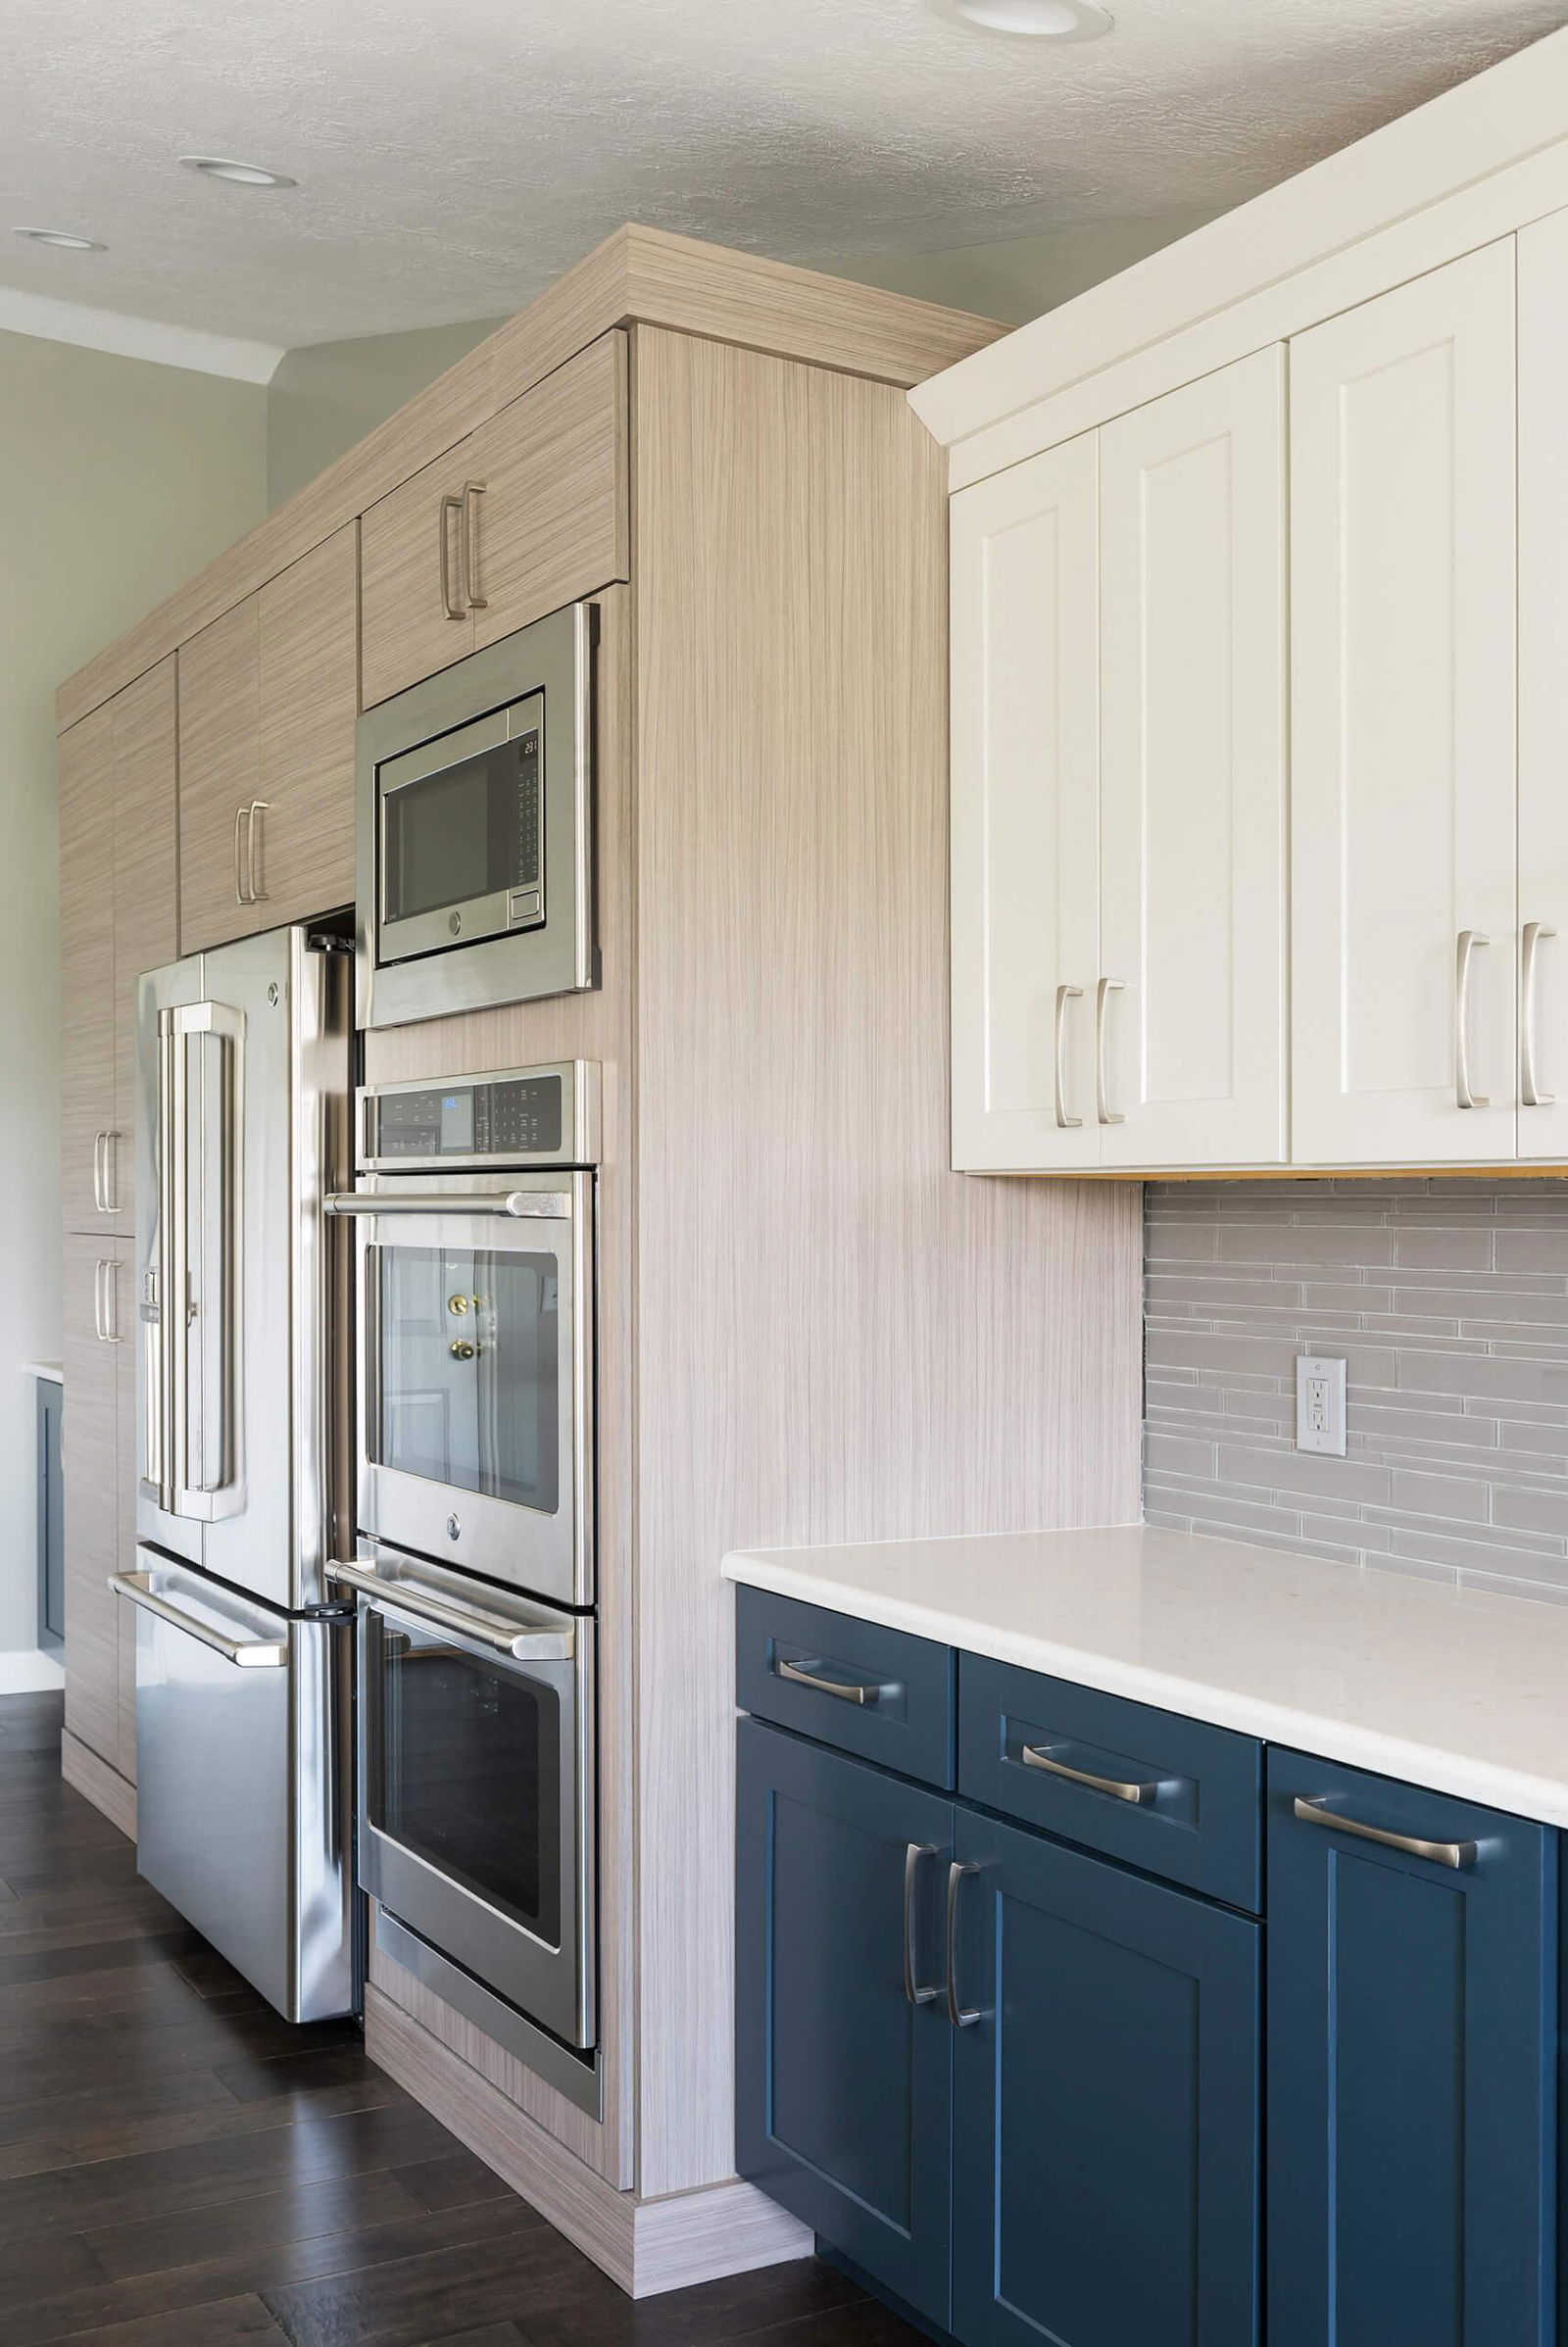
{"x": 63, "y": 239}
{"x": 1029, "y": 20}
{"x": 244, "y": 174}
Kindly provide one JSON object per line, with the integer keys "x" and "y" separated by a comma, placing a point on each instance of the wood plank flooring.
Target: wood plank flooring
{"x": 179, "y": 2168}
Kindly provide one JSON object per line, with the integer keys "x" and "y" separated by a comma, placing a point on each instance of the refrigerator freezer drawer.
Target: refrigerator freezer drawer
{"x": 243, "y": 1796}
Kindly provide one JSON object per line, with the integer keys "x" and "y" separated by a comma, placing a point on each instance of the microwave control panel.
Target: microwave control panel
{"x": 521, "y": 1117}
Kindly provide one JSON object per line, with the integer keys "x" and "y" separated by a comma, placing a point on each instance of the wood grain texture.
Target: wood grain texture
{"x": 219, "y": 770}
{"x": 87, "y": 963}
{"x": 88, "y": 1448}
{"x": 97, "y": 1782}
{"x": 128, "y": 1471}
{"x": 598, "y": 1026}
{"x": 634, "y": 273}
{"x": 647, "y": 2247}
{"x": 309, "y": 706}
{"x": 552, "y": 521}
{"x": 146, "y": 906}
{"x": 837, "y": 1337}
{"x": 407, "y": 630}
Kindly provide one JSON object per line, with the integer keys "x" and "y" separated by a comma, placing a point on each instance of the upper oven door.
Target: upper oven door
{"x": 462, "y": 835}
{"x": 476, "y": 1387}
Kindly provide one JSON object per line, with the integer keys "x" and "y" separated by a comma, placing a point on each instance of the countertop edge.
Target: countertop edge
{"x": 1466, "y": 1778}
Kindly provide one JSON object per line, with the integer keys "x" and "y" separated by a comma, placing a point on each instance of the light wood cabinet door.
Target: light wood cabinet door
{"x": 94, "y": 1291}
{"x": 413, "y": 618}
{"x": 309, "y": 706}
{"x": 1544, "y": 689}
{"x": 220, "y": 775}
{"x": 88, "y": 967}
{"x": 1403, "y": 582}
{"x": 145, "y": 892}
{"x": 1025, "y": 814}
{"x": 552, "y": 519}
{"x": 1191, "y": 772}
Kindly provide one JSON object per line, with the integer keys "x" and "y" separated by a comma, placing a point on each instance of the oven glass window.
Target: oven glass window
{"x": 469, "y": 1371}
{"x": 469, "y": 831}
{"x": 467, "y": 1770}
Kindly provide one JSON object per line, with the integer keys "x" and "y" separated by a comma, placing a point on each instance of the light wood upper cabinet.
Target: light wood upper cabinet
{"x": 1191, "y": 774}
{"x": 94, "y": 1293}
{"x": 1544, "y": 689}
{"x": 145, "y": 893}
{"x": 1403, "y": 578}
{"x": 87, "y": 966}
{"x": 1024, "y": 826}
{"x": 527, "y": 514}
{"x": 268, "y": 697}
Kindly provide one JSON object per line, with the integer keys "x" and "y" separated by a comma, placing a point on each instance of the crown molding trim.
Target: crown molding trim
{"x": 51, "y": 321}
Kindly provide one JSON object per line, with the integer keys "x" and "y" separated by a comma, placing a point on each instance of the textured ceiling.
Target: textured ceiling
{"x": 453, "y": 156}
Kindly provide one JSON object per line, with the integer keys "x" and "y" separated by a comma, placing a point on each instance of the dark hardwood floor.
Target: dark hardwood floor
{"x": 179, "y": 2167}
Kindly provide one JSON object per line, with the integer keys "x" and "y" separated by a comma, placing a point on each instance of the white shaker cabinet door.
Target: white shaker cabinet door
{"x": 1025, "y": 789}
{"x": 1544, "y": 689}
{"x": 1402, "y": 484}
{"x": 1193, "y": 812}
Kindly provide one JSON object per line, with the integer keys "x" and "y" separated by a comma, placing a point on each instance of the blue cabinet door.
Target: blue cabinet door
{"x": 1106, "y": 2104}
{"x": 844, "y": 2079}
{"x": 1411, "y": 2026}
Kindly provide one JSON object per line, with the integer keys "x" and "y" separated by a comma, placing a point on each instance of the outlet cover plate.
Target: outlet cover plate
{"x": 1320, "y": 1405}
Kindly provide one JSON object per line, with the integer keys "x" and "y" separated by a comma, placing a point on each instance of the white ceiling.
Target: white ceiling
{"x": 453, "y": 156}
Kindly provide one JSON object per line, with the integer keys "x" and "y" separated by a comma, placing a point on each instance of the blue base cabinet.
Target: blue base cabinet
{"x": 1411, "y": 2061}
{"x": 1105, "y": 2105}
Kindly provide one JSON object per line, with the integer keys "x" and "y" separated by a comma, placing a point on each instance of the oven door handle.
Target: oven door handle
{"x": 443, "y": 1613}
{"x": 546, "y": 1205}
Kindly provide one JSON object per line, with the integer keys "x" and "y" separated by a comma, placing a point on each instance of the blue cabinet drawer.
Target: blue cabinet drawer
{"x": 878, "y": 1693}
{"x": 1164, "y": 1793}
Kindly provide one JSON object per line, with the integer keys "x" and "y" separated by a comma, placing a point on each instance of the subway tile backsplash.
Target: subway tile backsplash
{"x": 1448, "y": 1299}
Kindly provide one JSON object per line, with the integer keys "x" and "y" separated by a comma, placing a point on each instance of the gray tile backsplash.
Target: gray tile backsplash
{"x": 1448, "y": 1299}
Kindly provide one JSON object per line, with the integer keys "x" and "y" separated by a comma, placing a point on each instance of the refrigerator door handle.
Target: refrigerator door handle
{"x": 192, "y": 1472}
{"x": 245, "y": 1653}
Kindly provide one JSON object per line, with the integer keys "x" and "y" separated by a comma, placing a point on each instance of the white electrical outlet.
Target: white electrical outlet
{"x": 1320, "y": 1405}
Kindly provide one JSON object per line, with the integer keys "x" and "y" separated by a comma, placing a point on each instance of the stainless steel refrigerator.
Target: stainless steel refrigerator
{"x": 243, "y": 1658}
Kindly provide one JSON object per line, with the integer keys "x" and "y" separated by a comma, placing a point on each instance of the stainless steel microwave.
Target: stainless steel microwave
{"x": 475, "y": 830}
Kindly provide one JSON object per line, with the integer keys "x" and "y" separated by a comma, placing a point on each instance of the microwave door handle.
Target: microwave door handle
{"x": 557, "y": 1645}
{"x": 546, "y": 1205}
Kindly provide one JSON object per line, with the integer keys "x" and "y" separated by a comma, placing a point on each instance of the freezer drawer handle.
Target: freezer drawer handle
{"x": 488, "y": 1629}
{"x": 251, "y": 1654}
{"x": 549, "y": 1206}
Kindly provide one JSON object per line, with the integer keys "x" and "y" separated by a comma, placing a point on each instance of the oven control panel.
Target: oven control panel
{"x": 518, "y": 1117}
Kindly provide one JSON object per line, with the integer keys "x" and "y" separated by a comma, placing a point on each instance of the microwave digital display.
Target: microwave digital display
{"x": 466, "y": 832}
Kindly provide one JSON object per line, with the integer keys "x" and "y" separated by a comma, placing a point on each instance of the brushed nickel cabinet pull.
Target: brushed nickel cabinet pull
{"x": 913, "y": 1856}
{"x": 472, "y": 491}
{"x": 255, "y": 829}
{"x": 449, "y": 506}
{"x": 1440, "y": 1853}
{"x": 1035, "y": 1756}
{"x": 1464, "y": 952}
{"x": 1103, "y": 1107}
{"x": 848, "y": 1691}
{"x": 99, "y": 1327}
{"x": 1531, "y": 1095}
{"x": 242, "y": 815}
{"x": 110, "y": 1308}
{"x": 99, "y": 1198}
{"x": 1064, "y": 995}
{"x": 111, "y": 1197}
{"x": 960, "y": 2013}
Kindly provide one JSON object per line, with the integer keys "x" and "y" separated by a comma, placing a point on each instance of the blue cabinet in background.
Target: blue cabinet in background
{"x": 1411, "y": 2065}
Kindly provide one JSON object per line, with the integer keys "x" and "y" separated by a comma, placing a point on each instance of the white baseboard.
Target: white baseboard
{"x": 27, "y": 1672}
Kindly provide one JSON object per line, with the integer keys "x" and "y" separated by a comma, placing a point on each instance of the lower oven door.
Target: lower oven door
{"x": 475, "y": 1786}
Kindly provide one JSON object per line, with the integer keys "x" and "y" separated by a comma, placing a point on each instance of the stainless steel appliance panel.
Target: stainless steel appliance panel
{"x": 242, "y": 1073}
{"x": 475, "y": 1774}
{"x": 428, "y": 940}
{"x": 244, "y": 1821}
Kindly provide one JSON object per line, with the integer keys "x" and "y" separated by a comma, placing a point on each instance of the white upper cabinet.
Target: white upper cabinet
{"x": 1025, "y": 794}
{"x": 1544, "y": 689}
{"x": 1403, "y": 686}
{"x": 1192, "y": 819}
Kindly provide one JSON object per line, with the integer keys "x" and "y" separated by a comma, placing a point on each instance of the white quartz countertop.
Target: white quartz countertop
{"x": 55, "y": 1371}
{"x": 1460, "y": 1690}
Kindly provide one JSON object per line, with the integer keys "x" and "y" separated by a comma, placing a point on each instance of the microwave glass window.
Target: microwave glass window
{"x": 466, "y": 1771}
{"x": 469, "y": 1371}
{"x": 471, "y": 831}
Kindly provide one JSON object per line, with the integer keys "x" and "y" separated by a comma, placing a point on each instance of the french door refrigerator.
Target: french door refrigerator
{"x": 243, "y": 1658}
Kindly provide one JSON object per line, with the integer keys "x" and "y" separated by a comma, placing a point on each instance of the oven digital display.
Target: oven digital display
{"x": 516, "y": 1117}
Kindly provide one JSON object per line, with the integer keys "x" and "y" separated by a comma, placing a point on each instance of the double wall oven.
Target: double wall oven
{"x": 473, "y": 1216}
